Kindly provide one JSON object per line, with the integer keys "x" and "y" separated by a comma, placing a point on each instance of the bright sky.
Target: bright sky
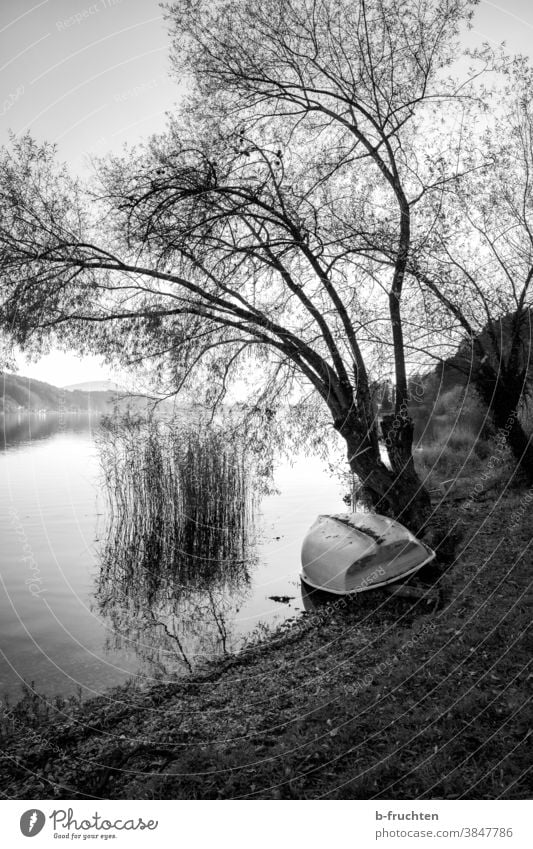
{"x": 93, "y": 75}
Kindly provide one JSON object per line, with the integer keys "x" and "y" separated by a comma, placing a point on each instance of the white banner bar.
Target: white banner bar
{"x": 265, "y": 824}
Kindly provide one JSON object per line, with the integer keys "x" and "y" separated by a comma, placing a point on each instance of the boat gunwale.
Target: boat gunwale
{"x": 368, "y": 587}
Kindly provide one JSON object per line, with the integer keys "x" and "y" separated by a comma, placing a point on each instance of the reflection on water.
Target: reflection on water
{"x": 103, "y": 613}
{"x": 313, "y": 599}
{"x": 171, "y": 627}
{"x": 20, "y": 428}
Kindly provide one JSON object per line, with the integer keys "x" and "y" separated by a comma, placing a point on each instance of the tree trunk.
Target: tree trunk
{"x": 396, "y": 492}
{"x": 507, "y": 421}
{"x": 503, "y": 401}
{"x": 520, "y": 444}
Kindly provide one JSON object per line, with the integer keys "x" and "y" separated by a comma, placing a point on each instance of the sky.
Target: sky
{"x": 91, "y": 76}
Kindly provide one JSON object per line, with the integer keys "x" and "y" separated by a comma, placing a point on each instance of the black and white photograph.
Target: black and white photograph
{"x": 266, "y": 414}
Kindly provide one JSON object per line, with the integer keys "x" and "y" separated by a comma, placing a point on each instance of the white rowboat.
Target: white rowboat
{"x": 354, "y": 552}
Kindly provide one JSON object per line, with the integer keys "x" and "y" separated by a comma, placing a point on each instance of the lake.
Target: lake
{"x": 66, "y": 627}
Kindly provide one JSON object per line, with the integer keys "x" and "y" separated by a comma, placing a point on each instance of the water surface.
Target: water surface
{"x": 65, "y": 625}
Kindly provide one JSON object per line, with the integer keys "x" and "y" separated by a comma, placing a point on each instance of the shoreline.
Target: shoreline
{"x": 383, "y": 697}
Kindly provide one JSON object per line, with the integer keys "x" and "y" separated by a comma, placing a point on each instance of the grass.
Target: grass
{"x": 32, "y": 710}
{"x": 455, "y": 441}
{"x": 382, "y": 699}
{"x": 453, "y": 459}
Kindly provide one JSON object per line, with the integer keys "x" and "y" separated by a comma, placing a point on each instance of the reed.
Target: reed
{"x": 178, "y": 546}
{"x": 179, "y": 498}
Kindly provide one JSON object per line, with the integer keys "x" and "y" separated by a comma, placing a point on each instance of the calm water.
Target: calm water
{"x": 65, "y": 625}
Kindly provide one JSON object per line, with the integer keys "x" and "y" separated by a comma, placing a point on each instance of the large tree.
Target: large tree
{"x": 257, "y": 225}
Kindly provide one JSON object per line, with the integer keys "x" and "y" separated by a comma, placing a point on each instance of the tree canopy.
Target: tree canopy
{"x": 299, "y": 221}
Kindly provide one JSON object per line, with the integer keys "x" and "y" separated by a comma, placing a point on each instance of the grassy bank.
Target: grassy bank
{"x": 384, "y": 698}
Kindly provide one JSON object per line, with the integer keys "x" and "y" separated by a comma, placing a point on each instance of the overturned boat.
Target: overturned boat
{"x": 354, "y": 552}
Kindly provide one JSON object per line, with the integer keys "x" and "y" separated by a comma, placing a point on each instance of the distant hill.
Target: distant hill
{"x": 19, "y": 393}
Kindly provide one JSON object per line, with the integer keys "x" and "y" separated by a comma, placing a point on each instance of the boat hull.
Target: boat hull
{"x": 355, "y": 552}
